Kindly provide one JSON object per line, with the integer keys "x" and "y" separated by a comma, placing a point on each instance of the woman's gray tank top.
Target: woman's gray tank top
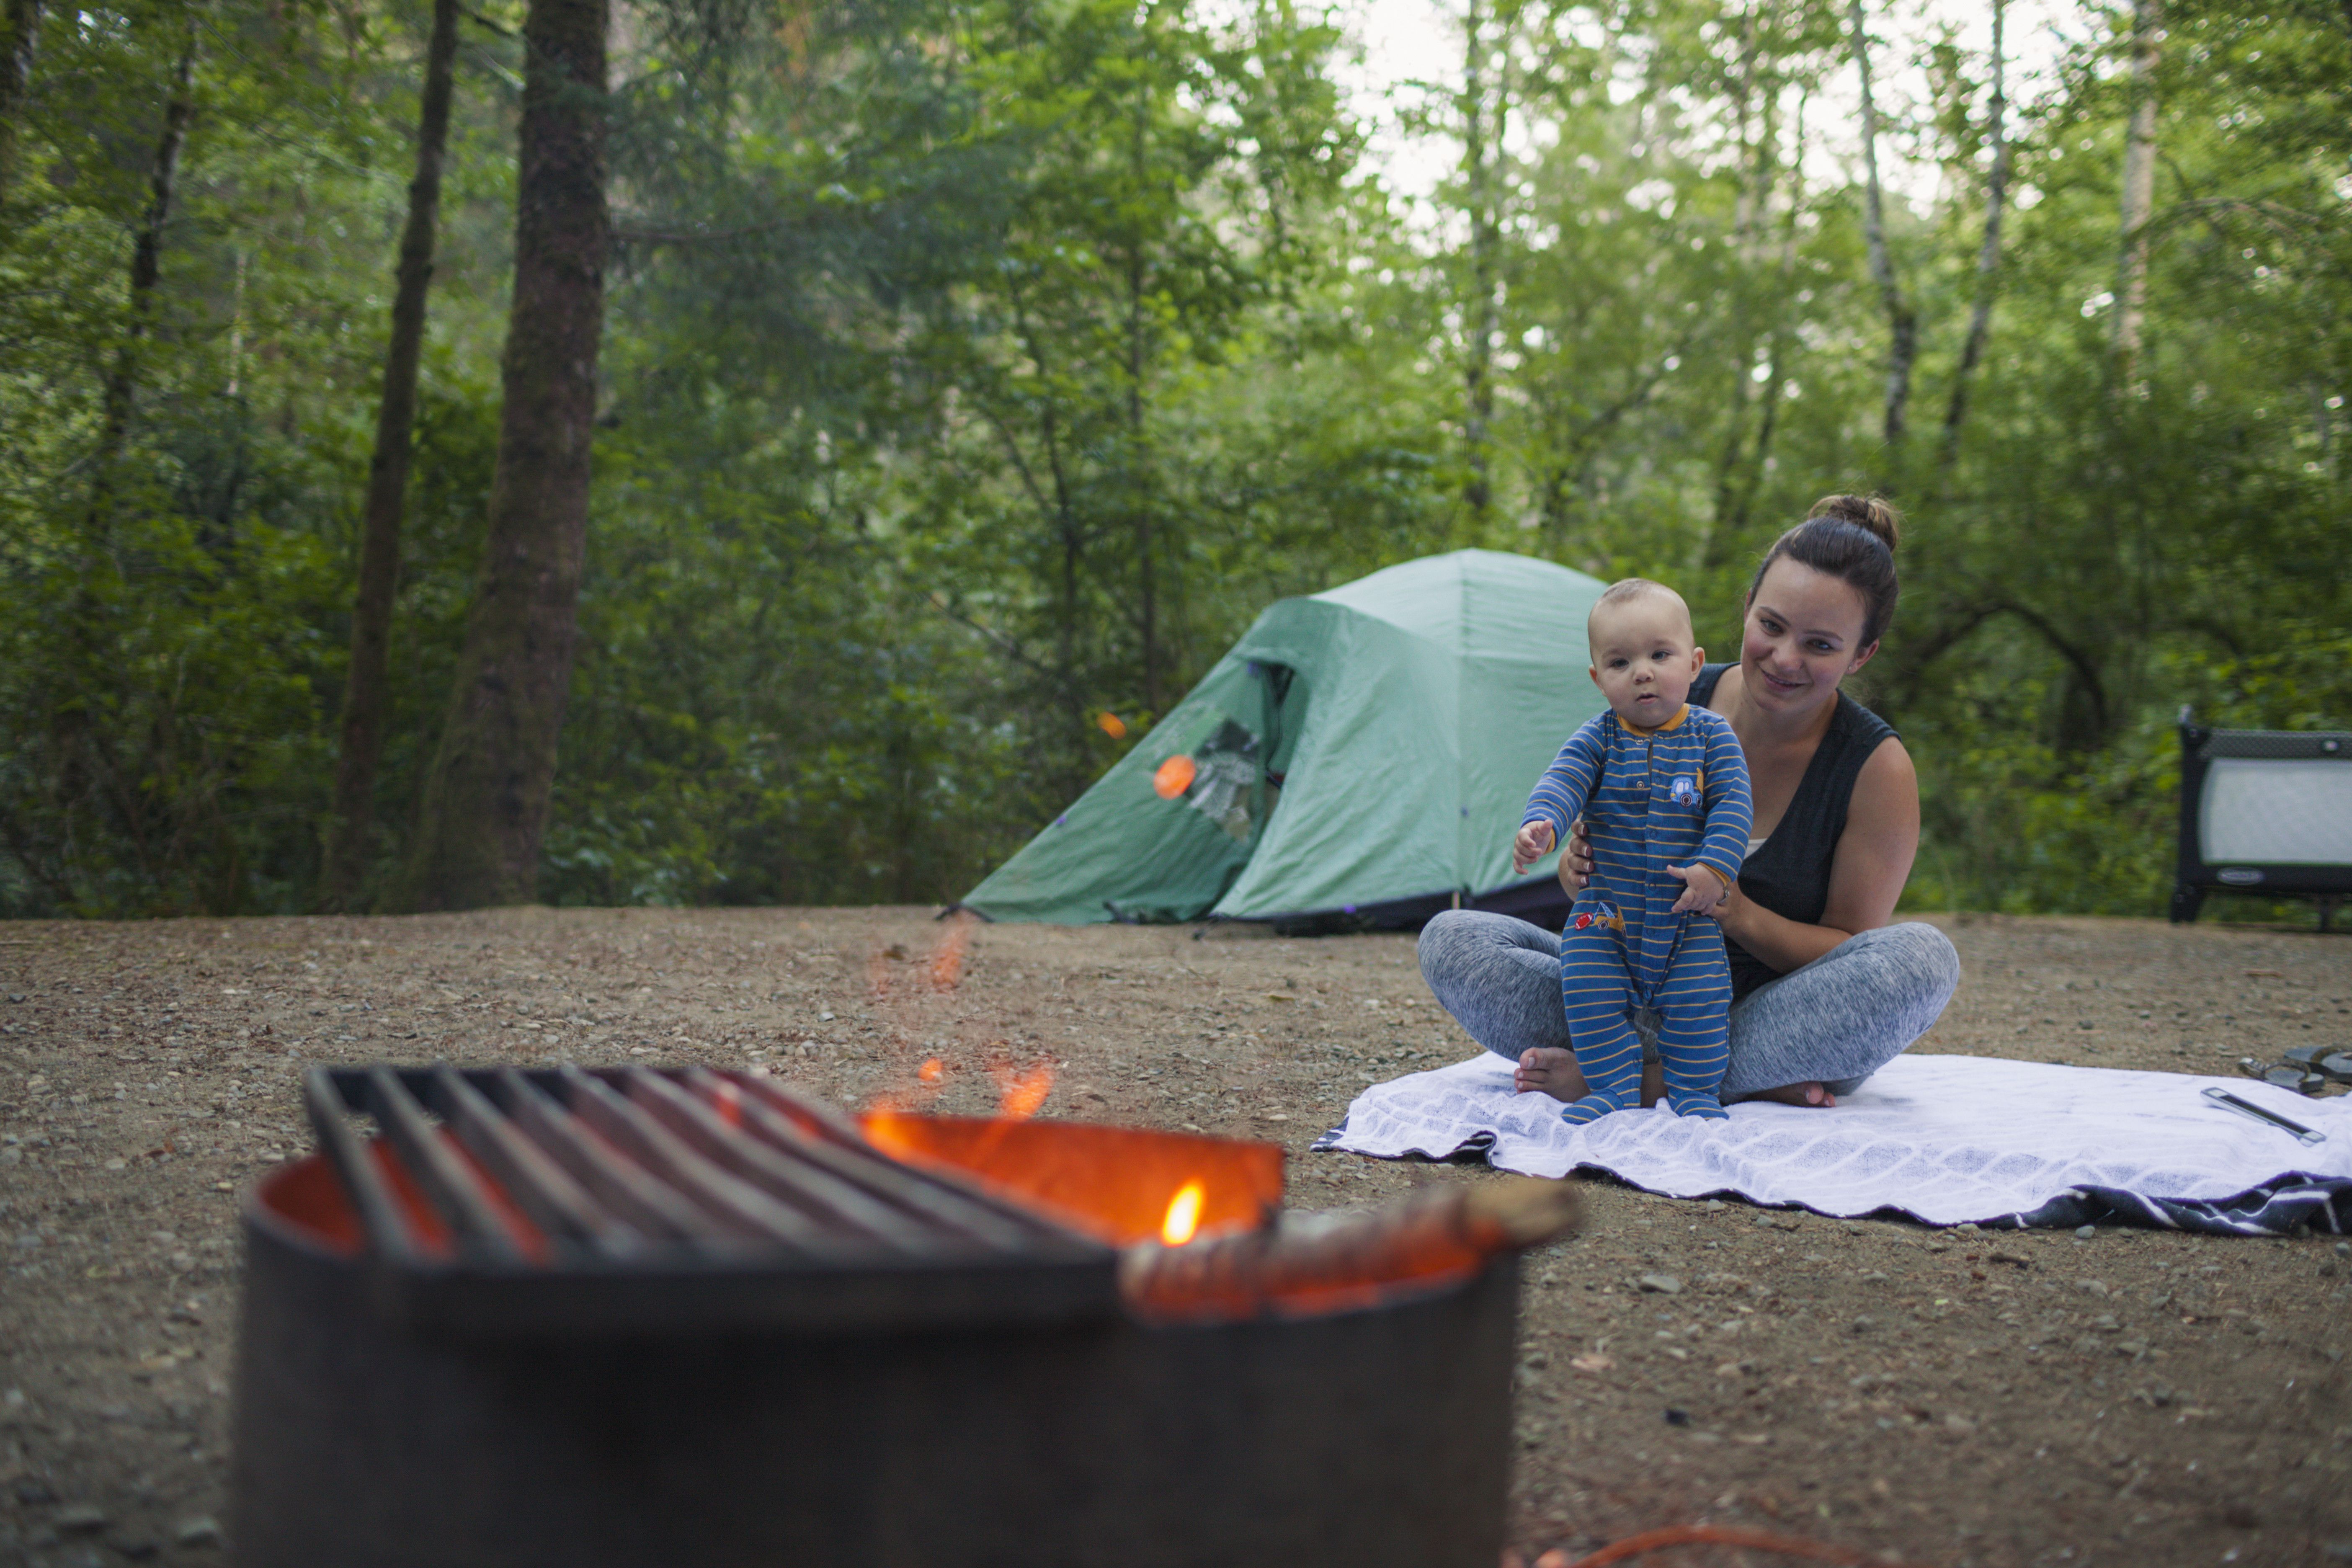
{"x": 1789, "y": 872}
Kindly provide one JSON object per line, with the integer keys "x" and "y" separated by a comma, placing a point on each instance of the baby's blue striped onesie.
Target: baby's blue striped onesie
{"x": 1674, "y": 795}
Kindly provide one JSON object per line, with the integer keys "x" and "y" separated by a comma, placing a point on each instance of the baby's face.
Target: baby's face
{"x": 1644, "y": 657}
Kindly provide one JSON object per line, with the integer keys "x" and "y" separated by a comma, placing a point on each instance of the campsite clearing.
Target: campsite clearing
{"x": 2137, "y": 1397}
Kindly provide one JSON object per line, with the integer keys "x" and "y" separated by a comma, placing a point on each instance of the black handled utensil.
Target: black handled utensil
{"x": 2228, "y": 1101}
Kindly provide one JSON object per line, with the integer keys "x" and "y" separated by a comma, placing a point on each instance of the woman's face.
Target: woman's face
{"x": 1803, "y": 636}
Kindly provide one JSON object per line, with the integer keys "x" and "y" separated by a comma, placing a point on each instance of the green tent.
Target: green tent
{"x": 1360, "y": 757}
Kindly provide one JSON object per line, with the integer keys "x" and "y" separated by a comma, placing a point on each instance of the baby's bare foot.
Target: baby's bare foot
{"x": 1549, "y": 1070}
{"x": 1812, "y": 1095}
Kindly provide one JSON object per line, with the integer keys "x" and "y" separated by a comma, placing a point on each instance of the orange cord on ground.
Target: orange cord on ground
{"x": 1650, "y": 1541}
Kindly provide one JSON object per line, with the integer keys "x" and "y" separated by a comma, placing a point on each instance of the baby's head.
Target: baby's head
{"x": 1644, "y": 656}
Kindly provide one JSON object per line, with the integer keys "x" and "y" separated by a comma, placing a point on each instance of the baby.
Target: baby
{"x": 1662, "y": 790}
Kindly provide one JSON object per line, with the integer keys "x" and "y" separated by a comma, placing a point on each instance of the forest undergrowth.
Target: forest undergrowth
{"x": 962, "y": 377}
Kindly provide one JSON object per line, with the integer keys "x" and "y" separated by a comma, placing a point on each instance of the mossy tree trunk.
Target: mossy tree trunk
{"x": 1482, "y": 139}
{"x": 1902, "y": 320}
{"x": 1988, "y": 253}
{"x": 20, "y": 37}
{"x": 485, "y": 795}
{"x": 146, "y": 271}
{"x": 2139, "y": 189}
{"x": 395, "y": 425}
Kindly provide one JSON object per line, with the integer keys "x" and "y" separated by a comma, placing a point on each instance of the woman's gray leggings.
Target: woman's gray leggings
{"x": 1836, "y": 1021}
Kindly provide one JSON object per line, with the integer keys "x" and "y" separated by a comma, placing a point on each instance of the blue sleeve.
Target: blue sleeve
{"x": 1730, "y": 810}
{"x": 1560, "y": 794}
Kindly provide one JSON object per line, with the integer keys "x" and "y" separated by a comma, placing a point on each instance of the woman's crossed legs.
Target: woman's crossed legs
{"x": 1806, "y": 1037}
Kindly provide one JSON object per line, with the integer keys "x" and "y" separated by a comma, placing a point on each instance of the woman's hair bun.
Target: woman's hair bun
{"x": 1875, "y": 514}
{"x": 1830, "y": 541}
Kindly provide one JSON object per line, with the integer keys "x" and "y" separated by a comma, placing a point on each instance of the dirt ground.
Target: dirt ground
{"x": 1936, "y": 1397}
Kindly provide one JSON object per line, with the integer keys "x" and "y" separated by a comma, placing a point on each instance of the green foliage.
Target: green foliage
{"x": 976, "y": 369}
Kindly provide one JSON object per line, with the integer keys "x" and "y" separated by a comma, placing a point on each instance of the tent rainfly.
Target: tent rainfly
{"x": 1360, "y": 758}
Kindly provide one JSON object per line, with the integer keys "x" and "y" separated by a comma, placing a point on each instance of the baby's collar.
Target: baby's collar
{"x": 1672, "y": 724}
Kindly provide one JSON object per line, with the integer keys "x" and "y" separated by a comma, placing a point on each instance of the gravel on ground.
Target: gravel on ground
{"x": 1944, "y": 1396}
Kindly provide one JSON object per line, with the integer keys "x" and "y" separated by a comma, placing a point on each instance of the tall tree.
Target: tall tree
{"x": 1482, "y": 141}
{"x": 1754, "y": 104}
{"x": 486, "y": 790}
{"x": 1729, "y": 533}
{"x": 1902, "y": 320}
{"x": 1135, "y": 270}
{"x": 1988, "y": 253}
{"x": 2138, "y": 187}
{"x": 364, "y": 694}
{"x": 146, "y": 271}
{"x": 1163, "y": 183}
{"x": 20, "y": 38}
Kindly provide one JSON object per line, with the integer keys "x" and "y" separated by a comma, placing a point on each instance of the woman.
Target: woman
{"x": 1825, "y": 991}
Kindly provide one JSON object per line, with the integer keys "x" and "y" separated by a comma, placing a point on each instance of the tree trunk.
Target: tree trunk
{"x": 21, "y": 37}
{"x": 1903, "y": 323}
{"x": 2140, "y": 189}
{"x": 395, "y": 422}
{"x": 1781, "y": 350}
{"x": 1755, "y": 193}
{"x": 146, "y": 271}
{"x": 1146, "y": 581}
{"x": 1988, "y": 255}
{"x": 1751, "y": 210}
{"x": 1480, "y": 142}
{"x": 89, "y": 765}
{"x": 487, "y": 792}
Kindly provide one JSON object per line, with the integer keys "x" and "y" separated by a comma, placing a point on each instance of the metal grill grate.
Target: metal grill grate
{"x": 638, "y": 1199}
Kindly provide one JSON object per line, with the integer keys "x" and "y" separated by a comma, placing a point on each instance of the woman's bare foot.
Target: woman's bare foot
{"x": 1812, "y": 1095}
{"x": 1547, "y": 1069}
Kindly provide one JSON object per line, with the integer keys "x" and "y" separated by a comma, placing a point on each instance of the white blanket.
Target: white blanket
{"x": 1944, "y": 1138}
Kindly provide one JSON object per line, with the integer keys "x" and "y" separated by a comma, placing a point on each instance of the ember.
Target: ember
{"x": 1025, "y": 1091}
{"x": 947, "y": 964}
{"x": 1174, "y": 777}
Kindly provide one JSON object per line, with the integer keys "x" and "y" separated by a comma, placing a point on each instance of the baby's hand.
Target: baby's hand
{"x": 1703, "y": 888}
{"x": 1533, "y": 843}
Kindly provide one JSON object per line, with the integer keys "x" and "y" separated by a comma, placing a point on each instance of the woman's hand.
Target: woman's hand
{"x": 1576, "y": 860}
{"x": 1729, "y": 908}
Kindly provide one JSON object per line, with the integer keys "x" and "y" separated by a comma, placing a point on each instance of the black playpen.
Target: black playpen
{"x": 2264, "y": 811}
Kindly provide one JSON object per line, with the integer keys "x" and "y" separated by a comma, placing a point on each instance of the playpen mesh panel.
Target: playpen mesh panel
{"x": 2265, "y": 813}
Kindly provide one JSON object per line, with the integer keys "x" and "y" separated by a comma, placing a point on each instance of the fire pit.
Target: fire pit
{"x": 687, "y": 1317}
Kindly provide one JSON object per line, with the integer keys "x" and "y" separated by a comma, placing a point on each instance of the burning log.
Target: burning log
{"x": 1298, "y": 1270}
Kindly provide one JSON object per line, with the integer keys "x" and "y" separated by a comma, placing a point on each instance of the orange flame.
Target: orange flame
{"x": 1183, "y": 1214}
{"x": 1174, "y": 777}
{"x": 947, "y": 961}
{"x": 1113, "y": 725}
{"x": 932, "y": 1072}
{"x": 1025, "y": 1091}
{"x": 1111, "y": 1181}
{"x": 888, "y": 1129}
